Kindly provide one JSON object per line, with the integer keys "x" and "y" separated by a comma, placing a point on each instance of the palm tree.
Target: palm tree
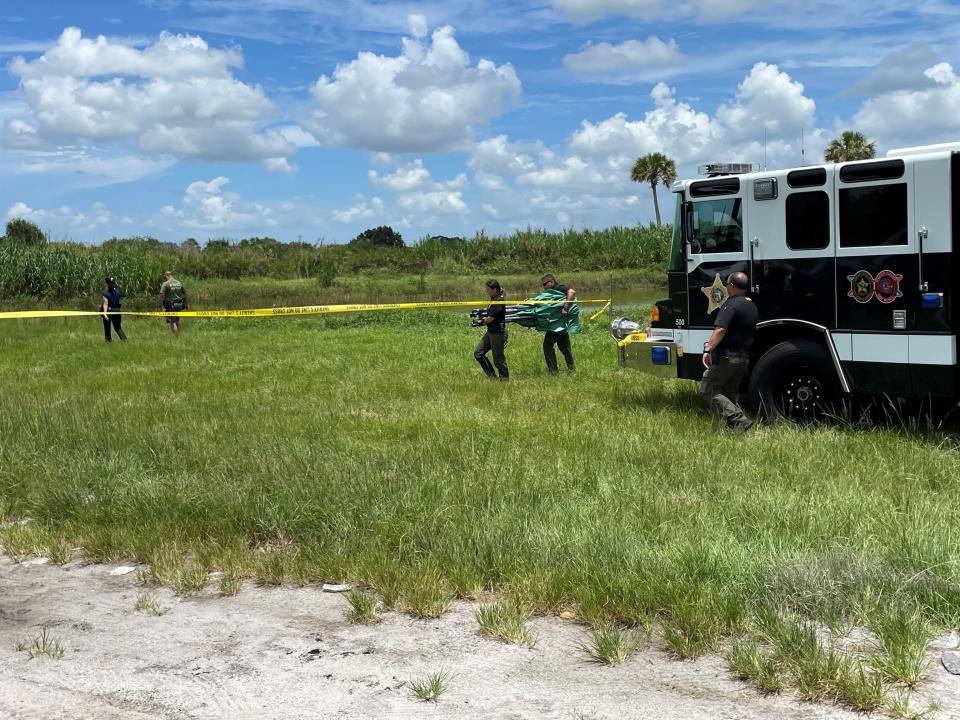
{"x": 849, "y": 146}
{"x": 654, "y": 168}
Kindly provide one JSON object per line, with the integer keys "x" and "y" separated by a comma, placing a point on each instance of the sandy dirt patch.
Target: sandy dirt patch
{"x": 289, "y": 653}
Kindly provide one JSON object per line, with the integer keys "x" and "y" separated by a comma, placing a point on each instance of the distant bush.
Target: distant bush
{"x": 379, "y": 237}
{"x": 24, "y": 232}
{"x": 326, "y": 271}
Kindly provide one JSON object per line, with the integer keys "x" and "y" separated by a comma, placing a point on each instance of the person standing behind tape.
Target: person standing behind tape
{"x": 173, "y": 297}
{"x": 495, "y": 338}
{"x": 726, "y": 355}
{"x": 560, "y": 339}
{"x": 111, "y": 304}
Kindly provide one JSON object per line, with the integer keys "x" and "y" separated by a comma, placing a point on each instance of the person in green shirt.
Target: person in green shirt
{"x": 173, "y": 297}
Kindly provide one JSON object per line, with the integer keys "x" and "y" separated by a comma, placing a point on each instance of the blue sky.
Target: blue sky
{"x": 316, "y": 119}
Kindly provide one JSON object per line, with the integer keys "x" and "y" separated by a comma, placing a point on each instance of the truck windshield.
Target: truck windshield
{"x": 675, "y": 262}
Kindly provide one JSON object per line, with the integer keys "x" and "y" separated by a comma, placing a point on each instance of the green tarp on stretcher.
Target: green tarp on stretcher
{"x": 547, "y": 317}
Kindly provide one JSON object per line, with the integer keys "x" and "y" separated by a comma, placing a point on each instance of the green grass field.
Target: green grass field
{"x": 370, "y": 449}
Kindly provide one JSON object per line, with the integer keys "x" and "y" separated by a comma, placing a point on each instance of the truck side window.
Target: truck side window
{"x": 873, "y": 215}
{"x": 808, "y": 220}
{"x": 718, "y": 226}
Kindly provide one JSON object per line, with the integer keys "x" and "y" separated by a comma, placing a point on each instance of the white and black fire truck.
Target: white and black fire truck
{"x": 851, "y": 269}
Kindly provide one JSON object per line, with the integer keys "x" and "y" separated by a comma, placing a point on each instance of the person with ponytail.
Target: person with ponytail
{"x": 495, "y": 339}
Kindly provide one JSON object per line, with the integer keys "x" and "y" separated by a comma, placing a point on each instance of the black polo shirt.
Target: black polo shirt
{"x": 739, "y": 316}
{"x": 499, "y": 315}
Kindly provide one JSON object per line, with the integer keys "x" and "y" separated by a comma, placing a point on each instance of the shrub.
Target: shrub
{"x": 383, "y": 236}
{"x": 24, "y": 232}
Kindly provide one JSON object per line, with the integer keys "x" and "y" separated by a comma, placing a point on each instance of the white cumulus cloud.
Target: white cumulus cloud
{"x": 588, "y": 180}
{"x": 281, "y": 166}
{"x": 64, "y": 221}
{"x": 404, "y": 178}
{"x": 176, "y": 97}
{"x": 360, "y": 210}
{"x": 632, "y": 59}
{"x": 921, "y": 117}
{"x": 206, "y": 206}
{"x": 768, "y": 100}
{"x": 438, "y": 202}
{"x": 429, "y": 98}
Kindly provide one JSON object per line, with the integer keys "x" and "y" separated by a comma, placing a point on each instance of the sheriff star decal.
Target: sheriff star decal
{"x": 716, "y": 294}
{"x": 861, "y": 286}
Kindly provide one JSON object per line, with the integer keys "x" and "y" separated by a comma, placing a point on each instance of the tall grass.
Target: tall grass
{"x": 369, "y": 449}
{"x": 70, "y": 270}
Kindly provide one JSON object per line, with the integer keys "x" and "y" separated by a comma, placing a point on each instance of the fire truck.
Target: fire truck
{"x": 851, "y": 269}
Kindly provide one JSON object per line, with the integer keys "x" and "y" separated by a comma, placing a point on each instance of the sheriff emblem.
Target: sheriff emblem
{"x": 887, "y": 286}
{"x": 861, "y": 286}
{"x": 716, "y": 294}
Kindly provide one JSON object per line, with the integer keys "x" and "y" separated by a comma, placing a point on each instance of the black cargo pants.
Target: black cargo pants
{"x": 721, "y": 385}
{"x": 495, "y": 342}
{"x": 562, "y": 341}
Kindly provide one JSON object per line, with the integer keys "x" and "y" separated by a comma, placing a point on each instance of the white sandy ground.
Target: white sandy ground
{"x": 289, "y": 653}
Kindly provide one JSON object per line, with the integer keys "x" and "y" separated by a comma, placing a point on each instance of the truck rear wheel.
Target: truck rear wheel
{"x": 796, "y": 381}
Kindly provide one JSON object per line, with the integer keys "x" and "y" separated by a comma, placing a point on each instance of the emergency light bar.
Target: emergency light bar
{"x": 714, "y": 169}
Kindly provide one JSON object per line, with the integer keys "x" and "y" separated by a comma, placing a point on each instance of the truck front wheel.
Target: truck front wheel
{"x": 795, "y": 381}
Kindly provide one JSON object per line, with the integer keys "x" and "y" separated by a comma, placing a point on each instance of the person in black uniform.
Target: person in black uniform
{"x": 560, "y": 339}
{"x": 495, "y": 339}
{"x": 726, "y": 355}
{"x": 110, "y": 305}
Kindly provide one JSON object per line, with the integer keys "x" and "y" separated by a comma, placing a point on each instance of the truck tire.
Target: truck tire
{"x": 796, "y": 381}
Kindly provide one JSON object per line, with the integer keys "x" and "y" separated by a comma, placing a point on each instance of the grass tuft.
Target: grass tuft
{"x": 611, "y": 645}
{"x": 363, "y": 607}
{"x": 272, "y": 568}
{"x": 427, "y": 594}
{"x": 903, "y": 634}
{"x": 860, "y": 687}
{"x": 430, "y": 687}
{"x": 899, "y": 707}
{"x": 147, "y": 603}
{"x": 507, "y": 621}
{"x": 43, "y": 645}
{"x": 693, "y": 627}
{"x": 171, "y": 567}
{"x": 230, "y": 583}
{"x": 747, "y": 662}
{"x": 59, "y": 551}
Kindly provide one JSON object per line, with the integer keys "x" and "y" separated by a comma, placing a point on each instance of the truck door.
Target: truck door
{"x": 877, "y": 277}
{"x": 789, "y": 223}
{"x": 717, "y": 247}
{"x": 933, "y": 347}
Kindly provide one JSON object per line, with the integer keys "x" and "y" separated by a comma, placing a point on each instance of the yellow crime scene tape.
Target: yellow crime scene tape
{"x": 285, "y": 311}
{"x": 602, "y": 310}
